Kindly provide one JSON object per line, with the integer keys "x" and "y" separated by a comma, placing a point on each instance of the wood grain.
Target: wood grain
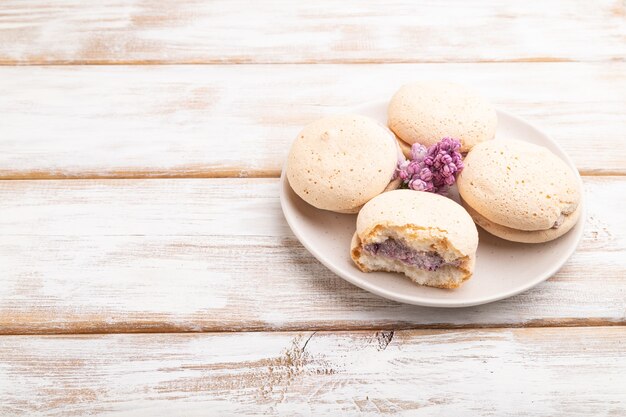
{"x": 506, "y": 372}
{"x": 326, "y": 31}
{"x": 216, "y": 255}
{"x": 216, "y": 121}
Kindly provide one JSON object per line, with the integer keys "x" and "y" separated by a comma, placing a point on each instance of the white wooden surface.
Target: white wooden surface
{"x": 192, "y": 31}
{"x": 503, "y": 372}
{"x": 217, "y": 255}
{"x": 207, "y": 121}
{"x": 106, "y": 227}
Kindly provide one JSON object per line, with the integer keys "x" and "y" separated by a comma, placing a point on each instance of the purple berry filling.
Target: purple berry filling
{"x": 393, "y": 249}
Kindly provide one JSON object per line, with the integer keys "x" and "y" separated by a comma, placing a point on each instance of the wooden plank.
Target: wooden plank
{"x": 503, "y": 372}
{"x": 226, "y": 31}
{"x": 216, "y": 255}
{"x": 215, "y": 121}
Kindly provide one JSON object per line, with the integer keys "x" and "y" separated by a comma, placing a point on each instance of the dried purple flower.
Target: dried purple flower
{"x": 401, "y": 171}
{"x": 433, "y": 169}
{"x": 446, "y": 162}
{"x": 418, "y": 152}
{"x": 420, "y": 185}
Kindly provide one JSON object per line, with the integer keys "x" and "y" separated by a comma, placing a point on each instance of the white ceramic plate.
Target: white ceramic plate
{"x": 503, "y": 268}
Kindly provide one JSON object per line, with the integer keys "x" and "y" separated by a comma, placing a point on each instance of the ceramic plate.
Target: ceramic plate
{"x": 503, "y": 268}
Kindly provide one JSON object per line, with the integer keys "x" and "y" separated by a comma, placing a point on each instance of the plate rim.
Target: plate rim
{"x": 424, "y": 301}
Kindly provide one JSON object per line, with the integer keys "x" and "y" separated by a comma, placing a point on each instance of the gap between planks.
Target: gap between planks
{"x": 537, "y": 59}
{"x": 182, "y": 173}
{"x": 160, "y": 328}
